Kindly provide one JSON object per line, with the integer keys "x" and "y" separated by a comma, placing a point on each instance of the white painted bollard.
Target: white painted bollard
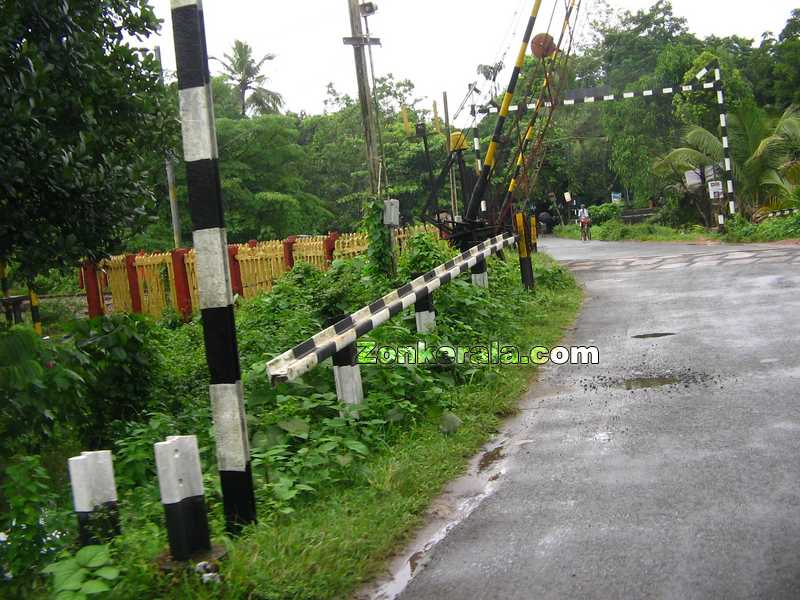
{"x": 180, "y": 479}
{"x": 94, "y": 496}
{"x": 480, "y": 275}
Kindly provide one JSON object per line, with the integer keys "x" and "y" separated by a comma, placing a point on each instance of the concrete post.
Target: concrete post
{"x": 94, "y": 495}
{"x": 180, "y": 480}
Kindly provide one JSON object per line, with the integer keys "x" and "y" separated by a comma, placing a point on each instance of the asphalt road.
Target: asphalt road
{"x": 669, "y": 470}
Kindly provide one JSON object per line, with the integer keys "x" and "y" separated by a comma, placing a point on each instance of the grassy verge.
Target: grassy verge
{"x": 337, "y": 489}
{"x": 612, "y": 231}
{"x": 341, "y": 538}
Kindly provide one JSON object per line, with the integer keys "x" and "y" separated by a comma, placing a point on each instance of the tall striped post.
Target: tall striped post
{"x": 94, "y": 496}
{"x": 213, "y": 270}
{"x": 491, "y": 153}
{"x": 729, "y": 192}
{"x": 180, "y": 481}
{"x": 36, "y": 317}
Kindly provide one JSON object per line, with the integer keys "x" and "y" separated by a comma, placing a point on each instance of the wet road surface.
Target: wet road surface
{"x": 669, "y": 470}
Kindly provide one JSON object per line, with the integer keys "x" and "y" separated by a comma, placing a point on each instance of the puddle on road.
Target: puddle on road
{"x": 645, "y": 336}
{"x": 641, "y": 383}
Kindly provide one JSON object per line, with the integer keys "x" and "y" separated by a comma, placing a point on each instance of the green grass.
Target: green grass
{"x": 341, "y": 537}
{"x": 644, "y": 232}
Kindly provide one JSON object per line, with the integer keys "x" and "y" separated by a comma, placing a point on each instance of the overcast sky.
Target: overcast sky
{"x": 435, "y": 43}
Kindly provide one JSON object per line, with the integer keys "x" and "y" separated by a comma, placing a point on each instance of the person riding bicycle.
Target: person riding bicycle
{"x": 585, "y": 221}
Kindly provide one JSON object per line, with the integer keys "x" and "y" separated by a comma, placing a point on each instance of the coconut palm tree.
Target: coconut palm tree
{"x": 243, "y": 71}
{"x": 765, "y": 156}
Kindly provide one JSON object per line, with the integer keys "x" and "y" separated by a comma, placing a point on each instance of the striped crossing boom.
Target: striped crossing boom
{"x": 662, "y": 91}
{"x": 305, "y": 356}
{"x": 519, "y": 163}
{"x": 212, "y": 267}
{"x": 479, "y": 190}
{"x": 715, "y": 85}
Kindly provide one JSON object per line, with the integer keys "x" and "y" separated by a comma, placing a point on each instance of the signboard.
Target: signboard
{"x": 715, "y": 190}
{"x": 616, "y": 197}
{"x": 567, "y": 197}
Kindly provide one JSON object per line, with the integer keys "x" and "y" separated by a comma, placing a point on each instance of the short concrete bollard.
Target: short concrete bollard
{"x": 94, "y": 495}
{"x": 424, "y": 314}
{"x": 347, "y": 374}
{"x": 180, "y": 479}
{"x": 480, "y": 275}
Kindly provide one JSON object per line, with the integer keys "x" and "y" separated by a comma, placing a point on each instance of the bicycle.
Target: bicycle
{"x": 586, "y": 230}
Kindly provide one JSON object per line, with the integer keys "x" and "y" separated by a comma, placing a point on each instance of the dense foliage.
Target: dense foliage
{"x": 81, "y": 118}
{"x": 127, "y": 382}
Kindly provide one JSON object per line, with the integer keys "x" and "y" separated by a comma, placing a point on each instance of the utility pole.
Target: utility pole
{"x": 358, "y": 41}
{"x": 173, "y": 197}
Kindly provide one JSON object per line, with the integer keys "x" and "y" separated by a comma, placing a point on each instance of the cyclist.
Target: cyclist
{"x": 586, "y": 223}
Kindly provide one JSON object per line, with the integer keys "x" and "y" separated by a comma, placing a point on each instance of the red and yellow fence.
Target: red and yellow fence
{"x": 151, "y": 283}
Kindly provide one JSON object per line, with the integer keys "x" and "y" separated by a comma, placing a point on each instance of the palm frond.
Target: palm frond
{"x": 706, "y": 143}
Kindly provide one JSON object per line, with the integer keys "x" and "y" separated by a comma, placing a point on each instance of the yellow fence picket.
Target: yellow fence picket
{"x": 261, "y": 266}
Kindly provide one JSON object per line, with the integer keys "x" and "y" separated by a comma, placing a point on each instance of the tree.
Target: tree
{"x": 243, "y": 71}
{"x": 786, "y": 72}
{"x": 82, "y": 117}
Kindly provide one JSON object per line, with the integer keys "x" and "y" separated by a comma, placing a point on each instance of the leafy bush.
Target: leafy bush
{"x": 605, "y": 212}
{"x": 88, "y": 573}
{"x": 118, "y": 364}
{"x": 42, "y": 384}
{"x": 30, "y": 520}
{"x": 740, "y": 229}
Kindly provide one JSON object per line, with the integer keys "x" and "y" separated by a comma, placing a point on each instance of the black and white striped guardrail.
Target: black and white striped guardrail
{"x": 305, "y": 356}
{"x": 213, "y": 270}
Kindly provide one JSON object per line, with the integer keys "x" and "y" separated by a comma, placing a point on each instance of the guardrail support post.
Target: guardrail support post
{"x": 288, "y": 252}
{"x": 480, "y": 275}
{"x": 94, "y": 494}
{"x": 347, "y": 374}
{"x": 94, "y": 300}
{"x": 183, "y": 293}
{"x": 180, "y": 480}
{"x": 424, "y": 315}
{"x": 523, "y": 247}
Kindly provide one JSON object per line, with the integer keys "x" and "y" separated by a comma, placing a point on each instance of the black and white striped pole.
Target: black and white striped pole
{"x": 213, "y": 270}
{"x": 94, "y": 496}
{"x": 180, "y": 480}
{"x": 728, "y": 189}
